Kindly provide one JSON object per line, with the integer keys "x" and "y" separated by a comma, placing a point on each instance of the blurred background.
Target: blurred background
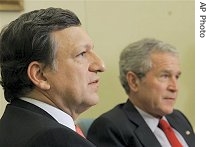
{"x": 113, "y": 24}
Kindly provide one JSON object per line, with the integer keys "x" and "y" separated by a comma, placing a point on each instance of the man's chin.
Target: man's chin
{"x": 92, "y": 101}
{"x": 168, "y": 111}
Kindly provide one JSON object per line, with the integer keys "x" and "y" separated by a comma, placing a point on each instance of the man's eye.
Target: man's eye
{"x": 165, "y": 76}
{"x": 177, "y": 77}
{"x": 82, "y": 53}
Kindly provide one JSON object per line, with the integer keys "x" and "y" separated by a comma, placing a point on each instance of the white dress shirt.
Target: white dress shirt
{"x": 62, "y": 117}
{"x": 152, "y": 122}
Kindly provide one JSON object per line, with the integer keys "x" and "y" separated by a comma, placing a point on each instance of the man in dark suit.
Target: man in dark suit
{"x": 49, "y": 76}
{"x": 149, "y": 73}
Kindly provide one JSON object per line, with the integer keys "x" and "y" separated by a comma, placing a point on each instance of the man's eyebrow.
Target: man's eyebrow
{"x": 87, "y": 46}
{"x": 170, "y": 71}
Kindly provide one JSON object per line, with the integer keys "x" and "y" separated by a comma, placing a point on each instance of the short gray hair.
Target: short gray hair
{"x": 136, "y": 58}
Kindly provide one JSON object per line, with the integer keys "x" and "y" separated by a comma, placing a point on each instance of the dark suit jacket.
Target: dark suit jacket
{"x": 26, "y": 125}
{"x": 123, "y": 126}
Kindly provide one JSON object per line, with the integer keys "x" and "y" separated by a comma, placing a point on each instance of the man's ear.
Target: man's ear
{"x": 133, "y": 81}
{"x": 35, "y": 74}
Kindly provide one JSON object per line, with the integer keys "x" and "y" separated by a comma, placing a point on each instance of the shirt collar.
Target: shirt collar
{"x": 62, "y": 117}
{"x": 151, "y": 121}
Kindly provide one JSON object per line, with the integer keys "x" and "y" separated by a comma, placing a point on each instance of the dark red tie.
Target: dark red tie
{"x": 79, "y": 131}
{"x": 169, "y": 133}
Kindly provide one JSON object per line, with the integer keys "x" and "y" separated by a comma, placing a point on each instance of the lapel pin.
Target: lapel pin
{"x": 187, "y": 132}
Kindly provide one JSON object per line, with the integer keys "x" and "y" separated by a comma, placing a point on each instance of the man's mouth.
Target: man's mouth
{"x": 94, "y": 82}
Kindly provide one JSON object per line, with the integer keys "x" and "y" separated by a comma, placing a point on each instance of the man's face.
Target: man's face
{"x": 158, "y": 89}
{"x": 74, "y": 82}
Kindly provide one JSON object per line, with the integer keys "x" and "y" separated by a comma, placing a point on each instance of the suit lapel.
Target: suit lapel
{"x": 143, "y": 132}
{"x": 186, "y": 133}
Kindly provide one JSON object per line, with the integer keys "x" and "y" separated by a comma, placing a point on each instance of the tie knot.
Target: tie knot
{"x": 164, "y": 124}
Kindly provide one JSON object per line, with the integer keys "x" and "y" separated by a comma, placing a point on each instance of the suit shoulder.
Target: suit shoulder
{"x": 114, "y": 113}
{"x": 114, "y": 119}
{"x": 177, "y": 114}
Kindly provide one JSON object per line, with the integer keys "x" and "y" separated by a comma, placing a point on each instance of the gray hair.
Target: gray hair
{"x": 136, "y": 58}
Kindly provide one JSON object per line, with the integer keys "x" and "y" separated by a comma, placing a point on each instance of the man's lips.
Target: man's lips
{"x": 94, "y": 82}
{"x": 170, "y": 98}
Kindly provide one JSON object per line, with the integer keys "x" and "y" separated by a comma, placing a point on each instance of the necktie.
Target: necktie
{"x": 169, "y": 133}
{"x": 79, "y": 131}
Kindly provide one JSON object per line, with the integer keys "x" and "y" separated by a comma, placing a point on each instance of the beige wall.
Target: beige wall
{"x": 113, "y": 24}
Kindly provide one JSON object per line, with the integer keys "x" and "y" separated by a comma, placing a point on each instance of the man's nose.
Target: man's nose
{"x": 97, "y": 64}
{"x": 173, "y": 85}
